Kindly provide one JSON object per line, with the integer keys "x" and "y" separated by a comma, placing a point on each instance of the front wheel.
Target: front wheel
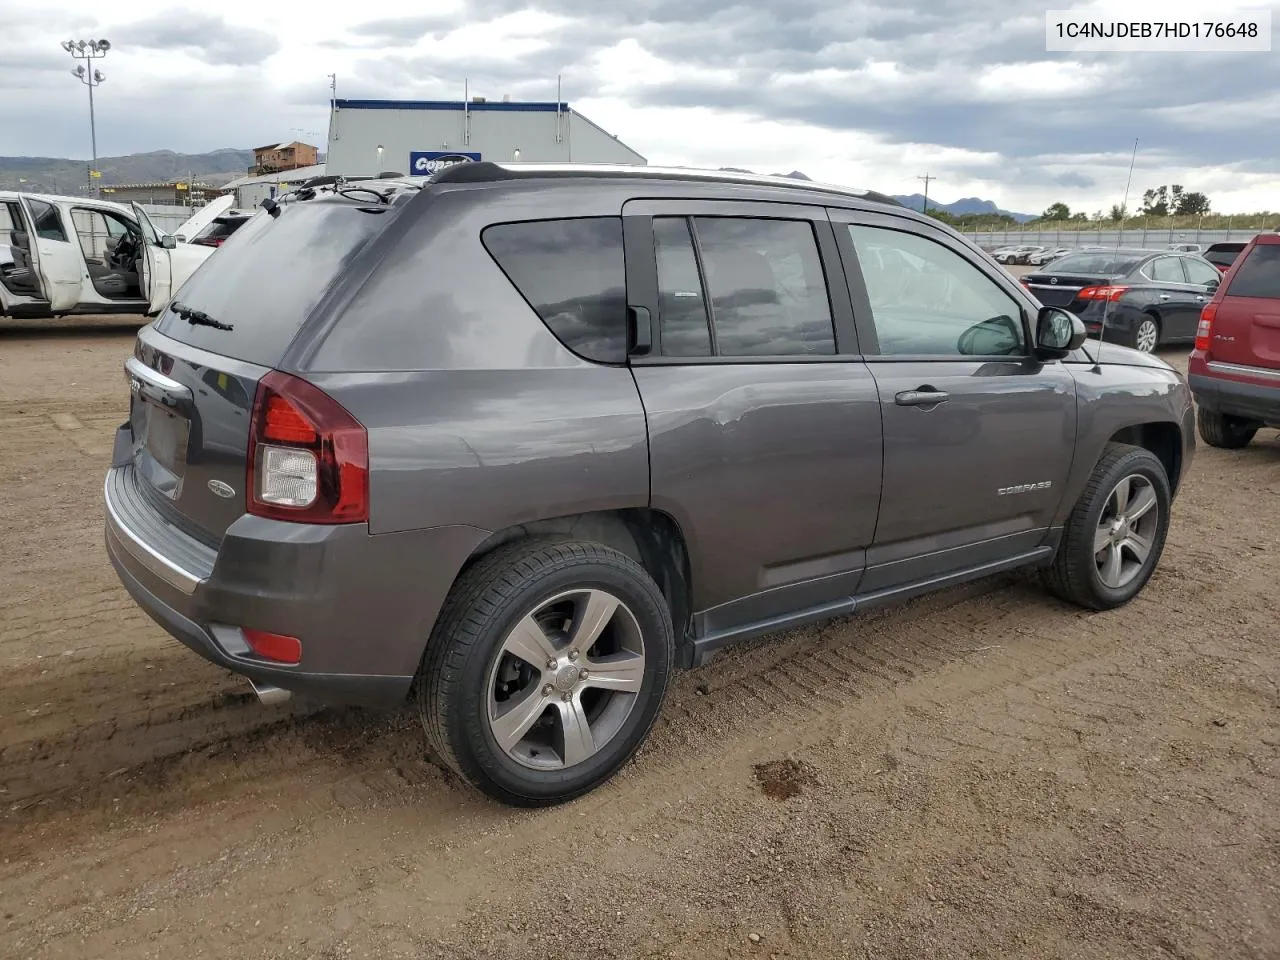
{"x": 1223, "y": 430}
{"x": 546, "y": 670}
{"x": 1116, "y": 533}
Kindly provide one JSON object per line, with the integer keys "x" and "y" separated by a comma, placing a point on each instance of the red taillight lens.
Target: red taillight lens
{"x": 1204, "y": 331}
{"x": 308, "y": 457}
{"x": 273, "y": 646}
{"x": 1112, "y": 293}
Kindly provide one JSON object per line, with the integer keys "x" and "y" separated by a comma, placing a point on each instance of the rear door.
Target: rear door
{"x": 1246, "y": 330}
{"x": 764, "y": 424}
{"x": 194, "y": 375}
{"x": 1177, "y": 301}
{"x": 979, "y": 435}
{"x": 57, "y": 265}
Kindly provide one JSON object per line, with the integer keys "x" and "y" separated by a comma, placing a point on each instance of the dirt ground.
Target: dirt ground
{"x": 984, "y": 773}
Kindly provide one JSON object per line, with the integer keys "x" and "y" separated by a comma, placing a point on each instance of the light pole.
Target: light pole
{"x": 379, "y": 170}
{"x": 86, "y": 73}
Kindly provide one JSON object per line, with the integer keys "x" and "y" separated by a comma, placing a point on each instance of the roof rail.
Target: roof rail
{"x": 486, "y": 171}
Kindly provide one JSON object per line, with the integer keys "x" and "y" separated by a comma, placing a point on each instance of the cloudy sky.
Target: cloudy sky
{"x": 868, "y": 93}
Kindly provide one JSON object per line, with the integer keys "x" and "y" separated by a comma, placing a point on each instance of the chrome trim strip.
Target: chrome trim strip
{"x": 135, "y": 369}
{"x": 164, "y": 568}
{"x": 1240, "y": 370}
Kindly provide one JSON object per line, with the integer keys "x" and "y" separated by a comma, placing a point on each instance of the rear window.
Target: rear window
{"x": 219, "y": 228}
{"x": 268, "y": 281}
{"x": 1102, "y": 264}
{"x": 1259, "y": 274}
{"x": 1223, "y": 254}
{"x": 573, "y": 274}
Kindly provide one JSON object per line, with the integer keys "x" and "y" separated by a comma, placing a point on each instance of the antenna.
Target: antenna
{"x": 1124, "y": 204}
{"x": 927, "y": 180}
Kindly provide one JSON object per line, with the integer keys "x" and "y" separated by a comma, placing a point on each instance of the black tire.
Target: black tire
{"x": 1223, "y": 430}
{"x": 483, "y": 607}
{"x": 1074, "y": 576}
{"x": 1135, "y": 334}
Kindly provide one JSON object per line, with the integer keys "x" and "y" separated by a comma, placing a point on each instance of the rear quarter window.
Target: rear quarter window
{"x": 573, "y": 275}
{"x": 1259, "y": 274}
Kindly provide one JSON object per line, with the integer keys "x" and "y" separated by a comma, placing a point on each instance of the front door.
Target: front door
{"x": 764, "y": 423}
{"x": 978, "y": 435}
{"x": 57, "y": 267}
{"x": 155, "y": 272}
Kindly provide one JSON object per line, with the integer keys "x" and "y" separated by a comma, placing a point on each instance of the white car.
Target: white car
{"x": 66, "y": 255}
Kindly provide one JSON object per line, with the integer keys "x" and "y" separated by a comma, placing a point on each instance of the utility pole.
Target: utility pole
{"x": 927, "y": 180}
{"x": 88, "y": 51}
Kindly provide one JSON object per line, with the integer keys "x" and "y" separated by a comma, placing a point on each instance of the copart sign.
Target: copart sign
{"x": 427, "y": 162}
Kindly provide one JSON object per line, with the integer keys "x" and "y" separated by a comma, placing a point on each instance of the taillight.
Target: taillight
{"x": 308, "y": 457}
{"x": 1205, "y": 330}
{"x": 1112, "y": 293}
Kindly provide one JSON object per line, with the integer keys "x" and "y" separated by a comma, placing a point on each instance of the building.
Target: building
{"x": 276, "y": 157}
{"x": 414, "y": 137}
{"x": 251, "y": 191}
{"x": 181, "y": 193}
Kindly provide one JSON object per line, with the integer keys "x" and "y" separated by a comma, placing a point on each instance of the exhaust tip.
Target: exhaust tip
{"x": 268, "y": 694}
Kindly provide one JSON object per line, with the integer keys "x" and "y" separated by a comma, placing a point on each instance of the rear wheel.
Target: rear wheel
{"x": 1225, "y": 431}
{"x": 546, "y": 670}
{"x": 1146, "y": 334}
{"x": 1116, "y": 533}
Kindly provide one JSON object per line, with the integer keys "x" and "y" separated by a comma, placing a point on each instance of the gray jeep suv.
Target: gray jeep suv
{"x": 517, "y": 442}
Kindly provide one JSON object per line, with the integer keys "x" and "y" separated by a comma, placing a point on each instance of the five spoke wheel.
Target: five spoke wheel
{"x": 567, "y": 677}
{"x": 1126, "y": 531}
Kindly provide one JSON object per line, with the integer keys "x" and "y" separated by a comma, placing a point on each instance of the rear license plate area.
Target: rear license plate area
{"x": 160, "y": 438}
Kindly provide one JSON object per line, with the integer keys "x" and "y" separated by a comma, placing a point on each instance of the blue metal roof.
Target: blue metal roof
{"x": 496, "y": 105}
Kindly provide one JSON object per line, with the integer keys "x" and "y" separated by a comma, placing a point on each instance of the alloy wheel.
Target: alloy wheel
{"x": 1126, "y": 531}
{"x": 566, "y": 679}
{"x": 1148, "y": 335}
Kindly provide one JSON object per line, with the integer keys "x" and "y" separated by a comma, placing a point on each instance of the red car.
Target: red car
{"x": 1234, "y": 371}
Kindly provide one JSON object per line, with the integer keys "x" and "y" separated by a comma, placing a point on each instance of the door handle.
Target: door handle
{"x": 1199, "y": 299}
{"x": 924, "y": 397}
{"x": 1164, "y": 296}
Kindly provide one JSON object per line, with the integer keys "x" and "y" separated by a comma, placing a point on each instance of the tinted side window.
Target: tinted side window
{"x": 573, "y": 274}
{"x": 48, "y": 223}
{"x": 682, "y": 311}
{"x": 1200, "y": 273}
{"x": 1259, "y": 275}
{"x": 767, "y": 288}
{"x": 1166, "y": 270}
{"x": 927, "y": 300}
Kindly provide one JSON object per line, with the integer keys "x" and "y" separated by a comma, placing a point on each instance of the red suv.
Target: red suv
{"x": 1234, "y": 372}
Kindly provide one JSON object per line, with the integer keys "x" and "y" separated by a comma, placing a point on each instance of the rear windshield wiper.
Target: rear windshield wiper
{"x": 198, "y": 317}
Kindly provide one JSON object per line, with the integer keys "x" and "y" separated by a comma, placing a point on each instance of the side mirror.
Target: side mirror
{"x": 1058, "y": 333}
{"x": 1213, "y": 285}
{"x": 168, "y": 242}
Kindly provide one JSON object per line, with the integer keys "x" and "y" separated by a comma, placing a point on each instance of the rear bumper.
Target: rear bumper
{"x": 1235, "y": 398}
{"x": 363, "y": 606}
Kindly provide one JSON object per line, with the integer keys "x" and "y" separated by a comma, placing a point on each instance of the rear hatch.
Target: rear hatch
{"x": 1246, "y": 326}
{"x": 1061, "y": 283}
{"x": 1222, "y": 255}
{"x": 226, "y": 328}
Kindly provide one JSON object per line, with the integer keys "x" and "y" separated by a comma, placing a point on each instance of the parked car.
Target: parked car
{"x": 1185, "y": 247}
{"x": 217, "y": 232}
{"x": 1017, "y": 254}
{"x": 517, "y": 443}
{"x": 1234, "y": 370}
{"x": 1047, "y": 255}
{"x": 1147, "y": 297}
{"x": 71, "y": 255}
{"x": 1222, "y": 255}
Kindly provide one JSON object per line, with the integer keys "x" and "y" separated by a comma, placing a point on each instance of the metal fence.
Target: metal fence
{"x": 1045, "y": 235}
{"x": 167, "y": 217}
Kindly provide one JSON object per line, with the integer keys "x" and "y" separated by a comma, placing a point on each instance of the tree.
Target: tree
{"x": 1080, "y": 215}
{"x": 1191, "y": 203}
{"x": 1117, "y": 213}
{"x": 1155, "y": 202}
{"x": 1056, "y": 211}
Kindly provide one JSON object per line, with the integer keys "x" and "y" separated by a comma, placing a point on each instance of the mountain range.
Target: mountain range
{"x": 57, "y": 175}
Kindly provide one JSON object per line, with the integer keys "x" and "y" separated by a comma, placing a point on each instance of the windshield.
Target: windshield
{"x": 266, "y": 283}
{"x": 1095, "y": 264}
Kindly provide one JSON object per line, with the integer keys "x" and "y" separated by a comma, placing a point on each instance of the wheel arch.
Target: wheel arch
{"x": 653, "y": 538}
{"x": 1163, "y": 438}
